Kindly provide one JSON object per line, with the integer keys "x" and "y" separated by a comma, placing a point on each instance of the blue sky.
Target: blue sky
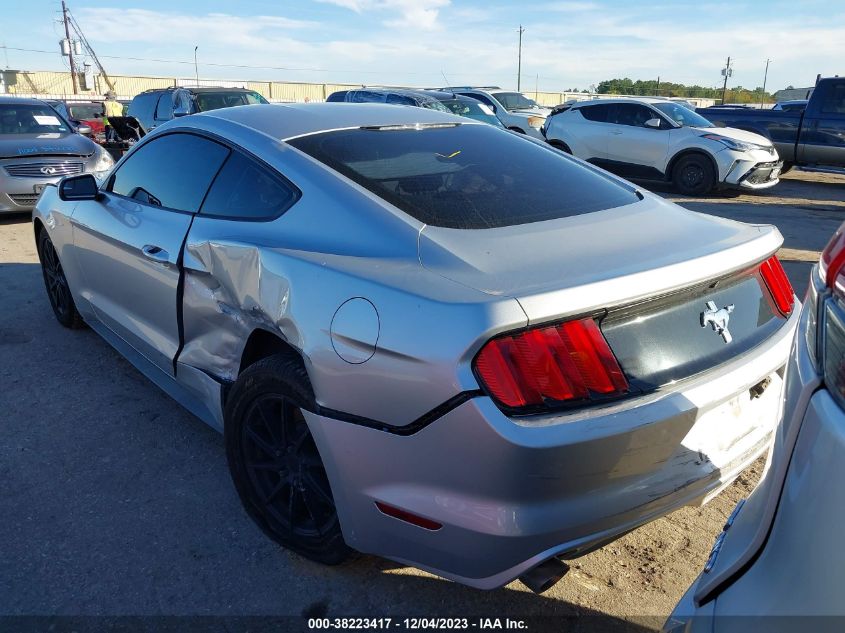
{"x": 568, "y": 43}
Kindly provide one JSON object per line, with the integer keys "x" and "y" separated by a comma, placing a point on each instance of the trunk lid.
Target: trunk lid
{"x": 609, "y": 258}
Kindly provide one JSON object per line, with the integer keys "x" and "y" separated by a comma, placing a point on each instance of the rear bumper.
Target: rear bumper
{"x": 512, "y": 493}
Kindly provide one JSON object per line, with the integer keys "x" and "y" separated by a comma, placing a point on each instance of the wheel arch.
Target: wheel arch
{"x": 670, "y": 167}
{"x": 261, "y": 344}
{"x": 37, "y": 227}
{"x": 558, "y": 144}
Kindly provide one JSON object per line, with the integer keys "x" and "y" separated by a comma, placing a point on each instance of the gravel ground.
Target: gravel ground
{"x": 117, "y": 502}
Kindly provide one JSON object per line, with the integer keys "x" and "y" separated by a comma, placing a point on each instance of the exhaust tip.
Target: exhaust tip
{"x": 545, "y": 575}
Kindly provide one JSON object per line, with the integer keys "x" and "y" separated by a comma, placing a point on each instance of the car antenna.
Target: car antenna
{"x": 448, "y": 85}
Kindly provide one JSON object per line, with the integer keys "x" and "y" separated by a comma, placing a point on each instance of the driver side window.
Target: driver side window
{"x": 632, "y": 114}
{"x": 172, "y": 171}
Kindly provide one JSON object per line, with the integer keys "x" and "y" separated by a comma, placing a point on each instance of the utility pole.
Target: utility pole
{"x": 657, "y": 90}
{"x": 726, "y": 71}
{"x": 196, "y": 72}
{"x": 519, "y": 63}
{"x": 765, "y": 76}
{"x": 70, "y": 49}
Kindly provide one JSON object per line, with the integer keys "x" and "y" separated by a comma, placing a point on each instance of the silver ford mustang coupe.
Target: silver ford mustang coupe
{"x": 424, "y": 337}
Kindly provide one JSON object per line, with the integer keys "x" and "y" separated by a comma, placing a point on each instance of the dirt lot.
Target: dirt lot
{"x": 116, "y": 501}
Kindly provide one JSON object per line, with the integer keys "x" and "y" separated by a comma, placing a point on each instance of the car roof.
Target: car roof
{"x": 643, "y": 100}
{"x": 284, "y": 121}
{"x": 22, "y": 101}
{"x": 198, "y": 89}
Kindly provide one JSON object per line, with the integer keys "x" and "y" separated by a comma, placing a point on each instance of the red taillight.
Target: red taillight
{"x": 778, "y": 283}
{"x": 556, "y": 363}
{"x": 833, "y": 259}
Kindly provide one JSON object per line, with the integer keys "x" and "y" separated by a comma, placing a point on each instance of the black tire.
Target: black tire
{"x": 274, "y": 461}
{"x": 693, "y": 175}
{"x": 561, "y": 146}
{"x": 58, "y": 290}
{"x": 787, "y": 167}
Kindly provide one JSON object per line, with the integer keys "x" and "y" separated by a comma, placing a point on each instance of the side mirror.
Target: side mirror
{"x": 83, "y": 129}
{"x": 180, "y": 111}
{"x": 82, "y": 187}
{"x": 653, "y": 123}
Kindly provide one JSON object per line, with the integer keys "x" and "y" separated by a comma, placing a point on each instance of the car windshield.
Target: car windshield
{"x": 472, "y": 110}
{"x": 515, "y": 100}
{"x": 216, "y": 100}
{"x": 682, "y": 116}
{"x": 434, "y": 104}
{"x": 82, "y": 111}
{"x": 30, "y": 119}
{"x": 466, "y": 176}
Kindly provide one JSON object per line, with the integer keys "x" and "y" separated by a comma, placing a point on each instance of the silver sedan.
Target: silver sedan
{"x": 38, "y": 147}
{"x": 424, "y": 337}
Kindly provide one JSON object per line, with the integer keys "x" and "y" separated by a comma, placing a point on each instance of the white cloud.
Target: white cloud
{"x": 420, "y": 14}
{"x": 411, "y": 43}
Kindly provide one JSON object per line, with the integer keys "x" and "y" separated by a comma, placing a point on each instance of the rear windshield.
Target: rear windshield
{"x": 216, "y": 100}
{"x": 466, "y": 176}
{"x": 82, "y": 111}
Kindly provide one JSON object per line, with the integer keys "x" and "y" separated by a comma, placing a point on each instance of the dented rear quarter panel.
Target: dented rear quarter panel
{"x": 287, "y": 278}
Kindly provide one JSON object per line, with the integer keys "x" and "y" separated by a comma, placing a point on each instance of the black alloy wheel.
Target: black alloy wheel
{"x": 285, "y": 469}
{"x": 58, "y": 291}
{"x": 275, "y": 463}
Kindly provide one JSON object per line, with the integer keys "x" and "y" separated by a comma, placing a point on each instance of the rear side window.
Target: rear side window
{"x": 395, "y": 99}
{"x": 246, "y": 190}
{"x": 143, "y": 107}
{"x": 340, "y": 95}
{"x": 172, "y": 171}
{"x": 164, "y": 109}
{"x": 834, "y": 99}
{"x": 466, "y": 176}
{"x": 599, "y": 113}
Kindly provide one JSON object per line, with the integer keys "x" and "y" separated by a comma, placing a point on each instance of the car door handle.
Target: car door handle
{"x": 616, "y": 132}
{"x": 157, "y": 254}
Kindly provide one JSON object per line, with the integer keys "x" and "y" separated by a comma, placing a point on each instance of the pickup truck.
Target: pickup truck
{"x": 813, "y": 138}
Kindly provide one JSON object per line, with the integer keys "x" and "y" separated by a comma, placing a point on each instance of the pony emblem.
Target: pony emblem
{"x": 718, "y": 319}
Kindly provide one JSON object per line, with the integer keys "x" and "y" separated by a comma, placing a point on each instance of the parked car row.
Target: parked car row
{"x": 480, "y": 387}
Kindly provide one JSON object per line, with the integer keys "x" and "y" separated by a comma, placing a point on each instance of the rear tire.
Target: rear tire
{"x": 787, "y": 167}
{"x": 693, "y": 175}
{"x": 274, "y": 462}
{"x": 58, "y": 290}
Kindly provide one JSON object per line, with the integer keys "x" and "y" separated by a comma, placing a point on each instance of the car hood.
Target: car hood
{"x": 48, "y": 144}
{"x": 574, "y": 265}
{"x": 737, "y": 135}
{"x": 541, "y": 112}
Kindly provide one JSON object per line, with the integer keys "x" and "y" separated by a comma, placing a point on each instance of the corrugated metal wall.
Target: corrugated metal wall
{"x": 55, "y": 84}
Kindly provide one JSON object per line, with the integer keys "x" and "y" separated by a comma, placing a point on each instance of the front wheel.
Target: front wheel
{"x": 787, "y": 167}
{"x": 275, "y": 464}
{"x": 58, "y": 290}
{"x": 694, "y": 175}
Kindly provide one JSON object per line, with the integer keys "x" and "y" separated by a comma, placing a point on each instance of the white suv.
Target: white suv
{"x": 657, "y": 139}
{"x": 516, "y": 111}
